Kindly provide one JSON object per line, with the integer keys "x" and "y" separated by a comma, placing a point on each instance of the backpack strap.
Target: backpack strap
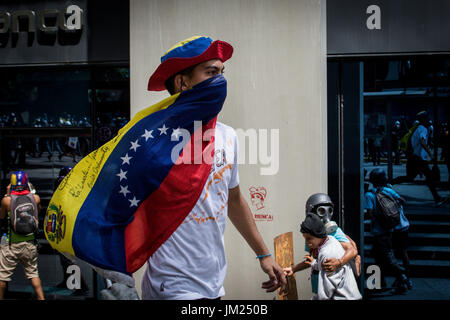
{"x": 376, "y": 190}
{"x": 9, "y": 228}
{"x": 377, "y": 206}
{"x": 13, "y": 199}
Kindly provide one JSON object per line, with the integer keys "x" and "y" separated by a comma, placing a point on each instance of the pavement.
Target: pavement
{"x": 423, "y": 289}
{"x": 418, "y": 194}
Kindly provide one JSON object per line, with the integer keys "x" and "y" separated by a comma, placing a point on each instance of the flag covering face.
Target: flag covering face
{"x": 123, "y": 200}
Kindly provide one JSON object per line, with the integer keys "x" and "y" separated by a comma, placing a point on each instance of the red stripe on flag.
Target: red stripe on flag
{"x": 166, "y": 208}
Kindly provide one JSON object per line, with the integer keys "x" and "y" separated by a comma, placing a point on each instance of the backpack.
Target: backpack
{"x": 388, "y": 210}
{"x": 24, "y": 214}
{"x": 405, "y": 142}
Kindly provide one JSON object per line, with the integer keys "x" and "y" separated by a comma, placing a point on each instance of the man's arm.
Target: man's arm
{"x": 332, "y": 264}
{"x": 241, "y": 217}
{"x": 38, "y": 202}
{"x": 4, "y": 207}
{"x": 425, "y": 146}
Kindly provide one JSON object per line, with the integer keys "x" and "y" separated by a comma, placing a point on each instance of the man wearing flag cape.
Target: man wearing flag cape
{"x": 161, "y": 190}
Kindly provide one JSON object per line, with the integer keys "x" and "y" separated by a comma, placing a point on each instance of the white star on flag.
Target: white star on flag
{"x": 126, "y": 159}
{"x": 163, "y": 129}
{"x": 176, "y": 133}
{"x": 134, "y": 145}
{"x": 147, "y": 135}
{"x": 124, "y": 191}
{"x": 122, "y": 174}
{"x": 134, "y": 202}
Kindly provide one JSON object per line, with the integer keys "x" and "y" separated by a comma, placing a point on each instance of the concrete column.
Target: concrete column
{"x": 276, "y": 84}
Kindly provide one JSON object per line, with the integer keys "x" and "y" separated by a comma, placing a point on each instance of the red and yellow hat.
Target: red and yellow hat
{"x": 185, "y": 54}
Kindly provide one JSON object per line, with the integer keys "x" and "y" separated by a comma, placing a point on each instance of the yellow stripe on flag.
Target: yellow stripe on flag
{"x": 73, "y": 190}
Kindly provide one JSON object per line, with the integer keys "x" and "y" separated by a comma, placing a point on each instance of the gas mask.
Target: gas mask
{"x": 321, "y": 204}
{"x": 325, "y": 213}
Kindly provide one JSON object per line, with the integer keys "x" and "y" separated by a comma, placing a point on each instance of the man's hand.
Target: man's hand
{"x": 331, "y": 265}
{"x": 242, "y": 218}
{"x": 276, "y": 275}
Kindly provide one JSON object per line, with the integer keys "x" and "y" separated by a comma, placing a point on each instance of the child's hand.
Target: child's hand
{"x": 308, "y": 260}
{"x": 288, "y": 271}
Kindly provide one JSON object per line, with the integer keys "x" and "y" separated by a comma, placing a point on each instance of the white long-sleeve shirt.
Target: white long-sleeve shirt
{"x": 341, "y": 285}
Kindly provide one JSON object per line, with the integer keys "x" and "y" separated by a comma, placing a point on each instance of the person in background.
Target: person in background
{"x": 400, "y": 242}
{"x": 382, "y": 237}
{"x": 395, "y": 140}
{"x": 378, "y": 146}
{"x": 18, "y": 247}
{"x": 417, "y": 161}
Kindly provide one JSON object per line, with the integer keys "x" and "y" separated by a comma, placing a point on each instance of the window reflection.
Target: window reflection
{"x": 112, "y": 99}
{"x": 395, "y": 91}
{"x": 44, "y": 98}
{"x": 398, "y": 93}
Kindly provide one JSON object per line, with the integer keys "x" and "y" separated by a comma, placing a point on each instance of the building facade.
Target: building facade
{"x": 315, "y": 91}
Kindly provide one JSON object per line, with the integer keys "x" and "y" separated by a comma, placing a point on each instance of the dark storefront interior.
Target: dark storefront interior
{"x": 59, "y": 100}
{"x": 385, "y": 65}
{"x": 374, "y": 102}
{"x": 395, "y": 91}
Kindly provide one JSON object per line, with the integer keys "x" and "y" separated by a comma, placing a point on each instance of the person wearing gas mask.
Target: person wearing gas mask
{"x": 341, "y": 284}
{"x": 321, "y": 205}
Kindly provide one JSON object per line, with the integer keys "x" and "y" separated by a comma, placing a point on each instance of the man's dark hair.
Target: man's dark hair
{"x": 378, "y": 177}
{"x": 422, "y": 117}
{"x": 170, "y": 86}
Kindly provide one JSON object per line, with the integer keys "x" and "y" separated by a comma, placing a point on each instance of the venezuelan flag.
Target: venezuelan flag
{"x": 123, "y": 200}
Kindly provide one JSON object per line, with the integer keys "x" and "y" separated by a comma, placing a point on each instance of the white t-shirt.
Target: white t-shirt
{"x": 341, "y": 285}
{"x": 191, "y": 264}
{"x": 421, "y": 132}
